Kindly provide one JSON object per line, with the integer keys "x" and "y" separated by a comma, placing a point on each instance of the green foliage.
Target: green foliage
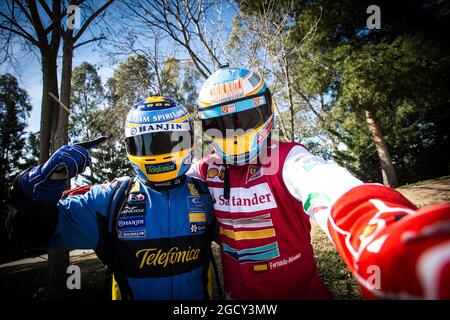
{"x": 30, "y": 152}
{"x": 131, "y": 82}
{"x": 399, "y": 71}
{"x": 170, "y": 83}
{"x": 14, "y": 111}
{"x": 190, "y": 86}
{"x": 88, "y": 121}
{"x": 86, "y": 100}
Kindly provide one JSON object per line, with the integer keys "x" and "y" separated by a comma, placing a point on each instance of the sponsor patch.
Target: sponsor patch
{"x": 315, "y": 200}
{"x": 228, "y": 108}
{"x": 131, "y": 222}
{"x": 260, "y": 267}
{"x": 156, "y": 127}
{"x": 132, "y": 234}
{"x": 253, "y": 173}
{"x": 222, "y": 92}
{"x": 136, "y": 209}
{"x": 197, "y": 217}
{"x": 251, "y": 199}
{"x": 144, "y": 118}
{"x": 215, "y": 172}
{"x": 195, "y": 204}
{"x": 192, "y": 189}
{"x": 253, "y": 254}
{"x": 196, "y": 227}
{"x": 258, "y": 101}
{"x": 136, "y": 197}
{"x": 162, "y": 257}
{"x": 160, "y": 167}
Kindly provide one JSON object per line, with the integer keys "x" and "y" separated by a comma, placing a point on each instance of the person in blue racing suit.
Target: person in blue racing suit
{"x": 153, "y": 231}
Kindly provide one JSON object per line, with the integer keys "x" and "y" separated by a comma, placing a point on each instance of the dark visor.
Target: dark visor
{"x": 245, "y": 120}
{"x": 155, "y": 143}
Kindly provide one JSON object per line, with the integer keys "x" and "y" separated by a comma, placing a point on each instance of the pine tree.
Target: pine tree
{"x": 15, "y": 109}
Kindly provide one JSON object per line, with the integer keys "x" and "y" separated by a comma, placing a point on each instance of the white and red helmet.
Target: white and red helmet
{"x": 236, "y": 109}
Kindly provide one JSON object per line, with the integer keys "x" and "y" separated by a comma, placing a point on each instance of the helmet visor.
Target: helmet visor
{"x": 156, "y": 143}
{"x": 239, "y": 121}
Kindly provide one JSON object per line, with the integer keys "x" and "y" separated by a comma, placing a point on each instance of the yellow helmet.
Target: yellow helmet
{"x": 159, "y": 139}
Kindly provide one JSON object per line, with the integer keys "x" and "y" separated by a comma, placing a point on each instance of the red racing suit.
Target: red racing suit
{"x": 393, "y": 250}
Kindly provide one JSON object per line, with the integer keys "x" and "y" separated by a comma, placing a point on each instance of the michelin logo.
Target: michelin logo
{"x": 132, "y": 234}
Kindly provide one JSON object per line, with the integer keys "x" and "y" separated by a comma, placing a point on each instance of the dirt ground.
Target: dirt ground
{"x": 27, "y": 281}
{"x": 428, "y": 192}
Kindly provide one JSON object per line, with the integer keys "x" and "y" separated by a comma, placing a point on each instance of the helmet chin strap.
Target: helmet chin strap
{"x": 226, "y": 181}
{"x": 165, "y": 185}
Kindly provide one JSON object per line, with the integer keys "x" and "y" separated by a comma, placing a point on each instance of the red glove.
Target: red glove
{"x": 394, "y": 250}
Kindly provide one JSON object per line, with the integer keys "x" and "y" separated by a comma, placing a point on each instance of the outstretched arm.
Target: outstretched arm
{"x": 394, "y": 250}
{"x": 40, "y": 218}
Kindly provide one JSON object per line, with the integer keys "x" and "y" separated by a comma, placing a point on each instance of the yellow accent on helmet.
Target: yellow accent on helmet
{"x": 162, "y": 167}
{"x": 154, "y": 99}
{"x": 237, "y": 145}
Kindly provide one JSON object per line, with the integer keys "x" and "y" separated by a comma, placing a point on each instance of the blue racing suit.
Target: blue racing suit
{"x": 157, "y": 243}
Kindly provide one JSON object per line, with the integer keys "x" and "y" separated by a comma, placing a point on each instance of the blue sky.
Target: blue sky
{"x": 30, "y": 75}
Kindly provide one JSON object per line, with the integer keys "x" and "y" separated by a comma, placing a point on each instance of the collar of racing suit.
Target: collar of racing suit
{"x": 166, "y": 185}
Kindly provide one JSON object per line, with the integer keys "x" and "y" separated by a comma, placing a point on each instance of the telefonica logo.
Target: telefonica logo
{"x": 160, "y": 168}
{"x": 160, "y": 257}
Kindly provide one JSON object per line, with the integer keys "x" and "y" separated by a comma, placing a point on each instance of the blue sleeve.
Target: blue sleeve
{"x": 78, "y": 218}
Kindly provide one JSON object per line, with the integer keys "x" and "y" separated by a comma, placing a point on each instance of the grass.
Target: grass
{"x": 332, "y": 269}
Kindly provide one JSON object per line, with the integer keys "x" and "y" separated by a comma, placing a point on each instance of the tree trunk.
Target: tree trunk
{"x": 59, "y": 260}
{"x": 387, "y": 168}
{"x": 61, "y": 137}
{"x": 289, "y": 93}
{"x": 49, "y": 109}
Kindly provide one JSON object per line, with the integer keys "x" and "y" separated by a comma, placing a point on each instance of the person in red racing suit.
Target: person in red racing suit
{"x": 265, "y": 191}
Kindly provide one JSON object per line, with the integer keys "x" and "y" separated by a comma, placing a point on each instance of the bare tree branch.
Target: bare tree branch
{"x": 25, "y": 35}
{"x": 47, "y": 10}
{"x": 19, "y": 30}
{"x": 37, "y": 23}
{"x": 22, "y": 8}
{"x": 91, "y": 18}
{"x": 180, "y": 20}
{"x": 89, "y": 41}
